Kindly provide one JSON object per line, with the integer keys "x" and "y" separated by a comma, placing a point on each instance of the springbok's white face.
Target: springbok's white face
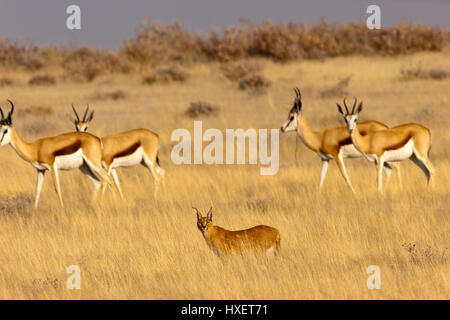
{"x": 81, "y": 125}
{"x": 350, "y": 122}
{"x": 350, "y": 118}
{"x": 291, "y": 123}
{"x": 5, "y": 135}
{"x": 5, "y": 126}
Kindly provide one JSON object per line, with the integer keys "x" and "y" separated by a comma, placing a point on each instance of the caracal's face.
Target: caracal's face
{"x": 81, "y": 126}
{"x": 203, "y": 224}
{"x": 5, "y": 135}
{"x": 350, "y": 122}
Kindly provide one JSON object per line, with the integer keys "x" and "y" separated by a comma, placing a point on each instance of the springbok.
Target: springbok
{"x": 332, "y": 143}
{"x": 224, "y": 242}
{"x": 75, "y": 150}
{"x": 126, "y": 149}
{"x": 407, "y": 141}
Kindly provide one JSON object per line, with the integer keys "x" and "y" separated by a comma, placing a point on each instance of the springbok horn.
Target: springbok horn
{"x": 299, "y": 94}
{"x": 85, "y": 113}
{"x": 345, "y": 105}
{"x": 354, "y": 105}
{"x": 11, "y": 111}
{"x": 76, "y": 114}
{"x": 3, "y": 116}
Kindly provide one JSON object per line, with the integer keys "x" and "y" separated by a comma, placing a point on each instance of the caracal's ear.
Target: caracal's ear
{"x": 199, "y": 215}
{"x": 209, "y": 215}
{"x": 340, "y": 109}
{"x": 359, "y": 109}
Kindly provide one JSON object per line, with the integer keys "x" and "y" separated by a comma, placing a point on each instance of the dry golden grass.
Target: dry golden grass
{"x": 140, "y": 248}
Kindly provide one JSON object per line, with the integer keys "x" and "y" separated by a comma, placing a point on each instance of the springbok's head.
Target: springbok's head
{"x": 204, "y": 223}
{"x": 5, "y": 126}
{"x": 82, "y": 124}
{"x": 350, "y": 118}
{"x": 291, "y": 123}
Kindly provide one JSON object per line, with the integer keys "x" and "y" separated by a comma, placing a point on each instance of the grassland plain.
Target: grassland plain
{"x": 142, "y": 249}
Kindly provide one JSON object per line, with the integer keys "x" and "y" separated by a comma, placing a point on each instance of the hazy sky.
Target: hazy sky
{"x": 107, "y": 23}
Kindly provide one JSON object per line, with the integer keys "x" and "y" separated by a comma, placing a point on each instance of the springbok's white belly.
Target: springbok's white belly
{"x": 70, "y": 161}
{"x": 403, "y": 153}
{"x": 129, "y": 161}
{"x": 349, "y": 151}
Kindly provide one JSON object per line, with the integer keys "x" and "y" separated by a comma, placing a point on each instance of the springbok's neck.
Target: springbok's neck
{"x": 309, "y": 137}
{"x": 24, "y": 149}
{"x": 359, "y": 140}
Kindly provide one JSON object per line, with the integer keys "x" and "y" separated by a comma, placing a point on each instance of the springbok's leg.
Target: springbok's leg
{"x": 341, "y": 166}
{"x": 116, "y": 181}
{"x": 380, "y": 165}
{"x": 95, "y": 180}
{"x": 156, "y": 177}
{"x": 40, "y": 180}
{"x": 396, "y": 166}
{"x": 323, "y": 172}
{"x": 56, "y": 184}
{"x": 426, "y": 166}
{"x": 104, "y": 183}
{"x": 387, "y": 171}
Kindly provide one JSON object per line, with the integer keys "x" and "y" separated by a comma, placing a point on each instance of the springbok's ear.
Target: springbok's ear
{"x": 91, "y": 116}
{"x": 339, "y": 109}
{"x": 209, "y": 215}
{"x": 359, "y": 109}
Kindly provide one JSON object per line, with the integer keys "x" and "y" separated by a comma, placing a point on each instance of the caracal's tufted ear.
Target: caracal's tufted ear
{"x": 209, "y": 215}
{"x": 199, "y": 215}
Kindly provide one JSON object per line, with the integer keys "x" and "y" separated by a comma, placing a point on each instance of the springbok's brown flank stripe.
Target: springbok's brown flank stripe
{"x": 68, "y": 150}
{"x": 400, "y": 144}
{"x": 128, "y": 151}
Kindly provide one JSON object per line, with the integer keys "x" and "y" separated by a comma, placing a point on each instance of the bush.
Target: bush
{"x": 417, "y": 72}
{"x": 254, "y": 82}
{"x": 5, "y": 81}
{"x": 86, "y": 64}
{"x": 201, "y": 108}
{"x": 338, "y": 90}
{"x": 114, "y": 95}
{"x": 42, "y": 80}
{"x": 238, "y": 70}
{"x": 166, "y": 75}
{"x": 36, "y": 111}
